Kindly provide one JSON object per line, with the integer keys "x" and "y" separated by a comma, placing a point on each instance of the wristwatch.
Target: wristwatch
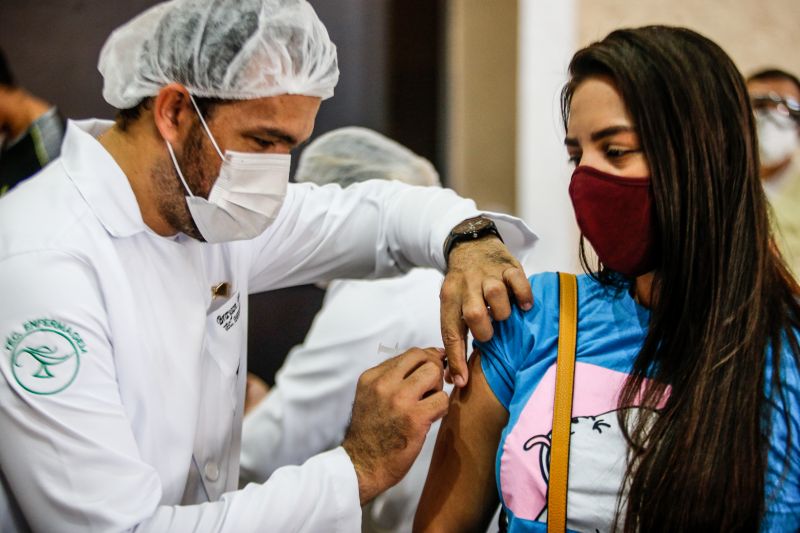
{"x": 470, "y": 230}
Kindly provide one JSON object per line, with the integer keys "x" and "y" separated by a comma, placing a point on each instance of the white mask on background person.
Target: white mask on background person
{"x": 778, "y": 137}
{"x": 246, "y": 197}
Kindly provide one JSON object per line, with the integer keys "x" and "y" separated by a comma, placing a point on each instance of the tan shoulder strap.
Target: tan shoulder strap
{"x": 562, "y": 408}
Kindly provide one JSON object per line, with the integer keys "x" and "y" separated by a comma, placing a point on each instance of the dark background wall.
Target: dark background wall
{"x": 389, "y": 53}
{"x": 53, "y": 46}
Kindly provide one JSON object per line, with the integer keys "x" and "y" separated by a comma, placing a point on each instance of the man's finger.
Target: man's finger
{"x": 496, "y": 296}
{"x": 436, "y": 355}
{"x": 423, "y": 380}
{"x": 454, "y": 335}
{"x": 405, "y": 363}
{"x": 520, "y": 287}
{"x": 435, "y": 406}
{"x": 477, "y": 316}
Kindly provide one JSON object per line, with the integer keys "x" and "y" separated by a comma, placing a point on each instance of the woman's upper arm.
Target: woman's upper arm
{"x": 460, "y": 493}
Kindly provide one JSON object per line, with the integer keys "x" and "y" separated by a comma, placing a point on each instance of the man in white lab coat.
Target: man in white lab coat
{"x": 124, "y": 270}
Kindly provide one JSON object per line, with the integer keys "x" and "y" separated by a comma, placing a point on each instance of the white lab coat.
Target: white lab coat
{"x": 361, "y": 324}
{"x": 123, "y": 378}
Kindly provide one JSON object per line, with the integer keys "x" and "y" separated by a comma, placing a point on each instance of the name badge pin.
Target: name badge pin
{"x": 221, "y": 290}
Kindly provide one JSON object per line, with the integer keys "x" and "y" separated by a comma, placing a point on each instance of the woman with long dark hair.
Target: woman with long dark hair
{"x": 685, "y": 410}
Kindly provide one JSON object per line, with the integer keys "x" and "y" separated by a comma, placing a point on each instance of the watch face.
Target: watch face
{"x": 473, "y": 225}
{"x": 476, "y": 225}
{"x": 469, "y": 229}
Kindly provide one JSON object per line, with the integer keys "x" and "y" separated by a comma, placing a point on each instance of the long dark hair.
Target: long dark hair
{"x": 723, "y": 301}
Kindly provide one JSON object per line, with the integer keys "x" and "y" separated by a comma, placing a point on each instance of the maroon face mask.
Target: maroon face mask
{"x": 616, "y": 215}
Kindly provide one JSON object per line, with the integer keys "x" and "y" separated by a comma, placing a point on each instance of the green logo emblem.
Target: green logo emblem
{"x": 45, "y": 358}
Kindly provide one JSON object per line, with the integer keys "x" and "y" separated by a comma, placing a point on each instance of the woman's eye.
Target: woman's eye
{"x": 616, "y": 153}
{"x": 574, "y": 159}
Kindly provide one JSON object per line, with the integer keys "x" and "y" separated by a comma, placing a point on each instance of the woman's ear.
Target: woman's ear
{"x": 173, "y": 112}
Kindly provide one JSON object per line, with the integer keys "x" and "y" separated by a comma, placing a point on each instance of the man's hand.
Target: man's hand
{"x": 256, "y": 389}
{"x": 480, "y": 280}
{"x": 396, "y": 403}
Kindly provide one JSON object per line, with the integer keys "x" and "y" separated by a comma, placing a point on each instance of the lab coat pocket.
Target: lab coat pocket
{"x": 224, "y": 334}
{"x": 213, "y": 471}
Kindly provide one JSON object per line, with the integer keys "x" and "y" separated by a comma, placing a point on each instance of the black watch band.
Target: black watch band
{"x": 470, "y": 230}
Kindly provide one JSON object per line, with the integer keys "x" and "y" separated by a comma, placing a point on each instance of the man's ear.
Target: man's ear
{"x": 173, "y": 112}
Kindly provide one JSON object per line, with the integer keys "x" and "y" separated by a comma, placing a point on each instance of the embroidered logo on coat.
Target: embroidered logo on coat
{"x": 45, "y": 358}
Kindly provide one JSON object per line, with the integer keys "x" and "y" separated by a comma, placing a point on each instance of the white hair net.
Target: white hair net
{"x": 229, "y": 49}
{"x": 351, "y": 155}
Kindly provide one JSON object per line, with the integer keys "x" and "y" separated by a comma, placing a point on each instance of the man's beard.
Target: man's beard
{"x": 170, "y": 192}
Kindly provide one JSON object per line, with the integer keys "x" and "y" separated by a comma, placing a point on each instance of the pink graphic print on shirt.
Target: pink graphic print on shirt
{"x": 597, "y": 450}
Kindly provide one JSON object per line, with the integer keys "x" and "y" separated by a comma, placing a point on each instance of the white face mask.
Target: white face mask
{"x": 246, "y": 197}
{"x": 778, "y": 137}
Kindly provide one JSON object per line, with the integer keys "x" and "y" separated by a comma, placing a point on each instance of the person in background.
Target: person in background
{"x": 361, "y": 324}
{"x": 686, "y": 399}
{"x": 775, "y": 95}
{"x": 30, "y": 131}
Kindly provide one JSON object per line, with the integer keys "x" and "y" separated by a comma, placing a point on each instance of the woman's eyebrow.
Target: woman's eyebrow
{"x": 600, "y": 134}
{"x": 611, "y": 130}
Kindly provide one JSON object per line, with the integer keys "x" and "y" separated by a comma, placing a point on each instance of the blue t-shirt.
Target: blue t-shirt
{"x": 519, "y": 365}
